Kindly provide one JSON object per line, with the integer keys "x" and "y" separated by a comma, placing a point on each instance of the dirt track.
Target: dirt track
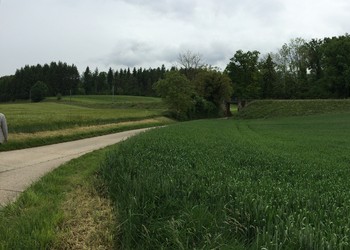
{"x": 20, "y": 168}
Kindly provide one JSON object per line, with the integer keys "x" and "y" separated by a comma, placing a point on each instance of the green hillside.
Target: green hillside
{"x": 284, "y": 108}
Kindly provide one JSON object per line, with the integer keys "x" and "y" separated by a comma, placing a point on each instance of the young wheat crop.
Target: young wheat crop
{"x": 225, "y": 184}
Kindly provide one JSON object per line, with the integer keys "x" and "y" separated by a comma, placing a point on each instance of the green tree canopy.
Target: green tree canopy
{"x": 213, "y": 86}
{"x": 336, "y": 63}
{"x": 268, "y": 77}
{"x": 177, "y": 91}
{"x": 244, "y": 73}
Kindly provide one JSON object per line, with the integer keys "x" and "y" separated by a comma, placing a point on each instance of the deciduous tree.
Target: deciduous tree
{"x": 214, "y": 87}
{"x": 177, "y": 91}
{"x": 336, "y": 64}
{"x": 244, "y": 73}
{"x": 190, "y": 63}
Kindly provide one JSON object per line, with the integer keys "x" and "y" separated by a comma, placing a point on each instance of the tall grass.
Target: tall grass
{"x": 42, "y": 217}
{"x": 226, "y": 184}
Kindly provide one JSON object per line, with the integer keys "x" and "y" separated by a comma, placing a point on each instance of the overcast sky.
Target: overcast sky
{"x": 149, "y": 33}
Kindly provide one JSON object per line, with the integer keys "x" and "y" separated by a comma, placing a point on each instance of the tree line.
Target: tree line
{"x": 319, "y": 68}
{"x": 58, "y": 77}
{"x": 63, "y": 79}
{"x": 121, "y": 82}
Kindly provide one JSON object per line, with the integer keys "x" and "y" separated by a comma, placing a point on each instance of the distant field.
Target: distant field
{"x": 37, "y": 123}
{"x": 284, "y": 108}
{"x": 280, "y": 183}
{"x": 34, "y": 117}
{"x": 113, "y": 99}
{"x": 116, "y": 101}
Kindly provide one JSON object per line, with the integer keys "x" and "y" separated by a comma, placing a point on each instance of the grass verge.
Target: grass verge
{"x": 64, "y": 210}
{"x": 27, "y": 140}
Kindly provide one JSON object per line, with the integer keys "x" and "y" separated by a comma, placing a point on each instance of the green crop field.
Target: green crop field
{"x": 280, "y": 183}
{"x": 32, "y": 124}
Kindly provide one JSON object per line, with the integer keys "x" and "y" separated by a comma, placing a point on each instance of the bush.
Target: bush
{"x": 203, "y": 109}
{"x": 59, "y": 97}
{"x": 38, "y": 91}
{"x": 176, "y": 91}
{"x": 215, "y": 87}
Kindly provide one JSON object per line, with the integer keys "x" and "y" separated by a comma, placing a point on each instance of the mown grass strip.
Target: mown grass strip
{"x": 109, "y": 99}
{"x": 26, "y": 140}
{"x": 113, "y": 102}
{"x": 64, "y": 210}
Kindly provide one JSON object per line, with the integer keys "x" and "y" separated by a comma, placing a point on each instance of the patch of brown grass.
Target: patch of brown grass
{"x": 89, "y": 221}
{"x": 81, "y": 130}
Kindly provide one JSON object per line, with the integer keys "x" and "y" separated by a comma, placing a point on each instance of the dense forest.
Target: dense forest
{"x": 319, "y": 68}
{"x": 64, "y": 79}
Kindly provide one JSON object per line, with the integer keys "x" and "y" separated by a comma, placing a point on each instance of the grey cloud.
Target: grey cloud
{"x": 265, "y": 10}
{"x": 129, "y": 53}
{"x": 132, "y": 53}
{"x": 216, "y": 53}
{"x": 174, "y": 8}
{"x": 149, "y": 32}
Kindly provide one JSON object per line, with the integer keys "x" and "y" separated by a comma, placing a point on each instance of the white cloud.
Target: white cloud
{"x": 148, "y": 33}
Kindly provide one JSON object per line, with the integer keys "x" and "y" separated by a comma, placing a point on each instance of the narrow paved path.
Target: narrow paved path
{"x": 20, "y": 168}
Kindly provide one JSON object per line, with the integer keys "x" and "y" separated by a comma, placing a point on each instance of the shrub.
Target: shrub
{"x": 38, "y": 91}
{"x": 59, "y": 97}
{"x": 204, "y": 108}
{"x": 176, "y": 91}
{"x": 215, "y": 87}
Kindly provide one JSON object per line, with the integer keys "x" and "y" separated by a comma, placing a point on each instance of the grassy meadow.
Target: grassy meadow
{"x": 33, "y": 124}
{"x": 279, "y": 183}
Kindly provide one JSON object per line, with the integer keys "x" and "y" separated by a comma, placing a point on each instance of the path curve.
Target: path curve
{"x": 20, "y": 168}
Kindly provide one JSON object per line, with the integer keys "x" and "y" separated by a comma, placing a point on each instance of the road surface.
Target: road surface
{"x": 20, "y": 168}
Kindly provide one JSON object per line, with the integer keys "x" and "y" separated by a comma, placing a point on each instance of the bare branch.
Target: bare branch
{"x": 189, "y": 60}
